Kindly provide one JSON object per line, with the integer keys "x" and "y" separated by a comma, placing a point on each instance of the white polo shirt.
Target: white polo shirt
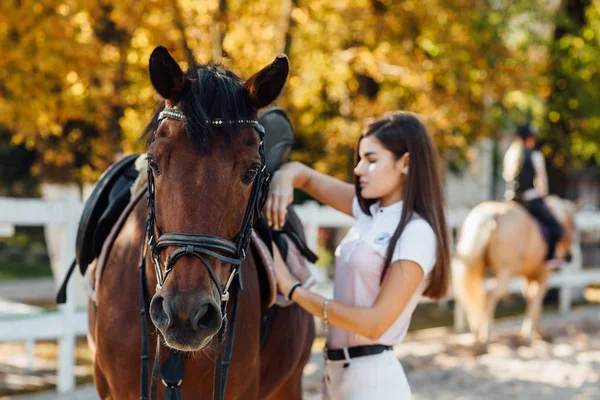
{"x": 359, "y": 263}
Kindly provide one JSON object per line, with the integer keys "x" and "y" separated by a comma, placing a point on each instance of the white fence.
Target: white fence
{"x": 31, "y": 324}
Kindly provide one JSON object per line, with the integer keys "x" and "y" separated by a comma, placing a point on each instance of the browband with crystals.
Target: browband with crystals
{"x": 176, "y": 114}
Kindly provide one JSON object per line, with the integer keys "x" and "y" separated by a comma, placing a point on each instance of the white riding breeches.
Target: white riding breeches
{"x": 374, "y": 377}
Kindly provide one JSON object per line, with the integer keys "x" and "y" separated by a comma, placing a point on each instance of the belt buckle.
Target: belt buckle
{"x": 347, "y": 357}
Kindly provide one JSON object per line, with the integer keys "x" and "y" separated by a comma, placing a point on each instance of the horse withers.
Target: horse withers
{"x": 502, "y": 239}
{"x": 205, "y": 184}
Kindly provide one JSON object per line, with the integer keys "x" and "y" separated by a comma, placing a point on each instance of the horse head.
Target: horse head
{"x": 206, "y": 176}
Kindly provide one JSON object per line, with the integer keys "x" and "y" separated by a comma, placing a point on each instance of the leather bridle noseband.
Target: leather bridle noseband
{"x": 202, "y": 247}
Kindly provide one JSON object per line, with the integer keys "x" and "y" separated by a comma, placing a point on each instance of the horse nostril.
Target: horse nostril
{"x": 160, "y": 311}
{"x": 205, "y": 318}
{"x": 569, "y": 257}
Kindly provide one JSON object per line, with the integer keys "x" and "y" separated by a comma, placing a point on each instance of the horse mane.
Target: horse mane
{"x": 212, "y": 92}
{"x": 513, "y": 159}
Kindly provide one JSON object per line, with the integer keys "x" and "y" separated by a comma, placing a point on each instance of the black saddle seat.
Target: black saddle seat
{"x": 102, "y": 209}
{"x": 279, "y": 137}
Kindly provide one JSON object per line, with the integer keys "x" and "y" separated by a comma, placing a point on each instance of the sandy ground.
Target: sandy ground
{"x": 442, "y": 365}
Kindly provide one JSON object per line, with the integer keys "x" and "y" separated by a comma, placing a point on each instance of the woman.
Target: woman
{"x": 524, "y": 171}
{"x": 396, "y": 251}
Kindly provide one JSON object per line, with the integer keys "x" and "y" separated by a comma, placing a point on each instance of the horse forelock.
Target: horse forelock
{"x": 212, "y": 92}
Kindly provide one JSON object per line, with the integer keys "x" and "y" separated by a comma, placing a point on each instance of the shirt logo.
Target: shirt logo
{"x": 383, "y": 238}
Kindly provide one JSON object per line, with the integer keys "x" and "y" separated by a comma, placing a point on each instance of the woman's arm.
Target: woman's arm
{"x": 541, "y": 176}
{"x": 326, "y": 189}
{"x": 371, "y": 322}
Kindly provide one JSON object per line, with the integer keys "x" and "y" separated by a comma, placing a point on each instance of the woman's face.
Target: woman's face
{"x": 379, "y": 172}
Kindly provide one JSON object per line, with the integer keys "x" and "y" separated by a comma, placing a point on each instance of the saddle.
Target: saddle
{"x": 109, "y": 198}
{"x": 290, "y": 245}
{"x": 279, "y": 137}
{"x": 291, "y": 251}
{"x": 542, "y": 227}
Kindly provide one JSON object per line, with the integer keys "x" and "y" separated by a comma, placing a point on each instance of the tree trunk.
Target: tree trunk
{"x": 180, "y": 24}
{"x": 287, "y": 25}
{"x": 218, "y": 29}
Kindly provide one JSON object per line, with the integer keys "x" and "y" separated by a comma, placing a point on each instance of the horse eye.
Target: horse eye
{"x": 153, "y": 165}
{"x": 251, "y": 174}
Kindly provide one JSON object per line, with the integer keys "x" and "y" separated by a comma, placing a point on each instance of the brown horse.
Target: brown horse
{"x": 502, "y": 239}
{"x": 203, "y": 166}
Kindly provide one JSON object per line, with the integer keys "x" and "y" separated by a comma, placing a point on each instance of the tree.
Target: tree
{"x": 572, "y": 119}
{"x": 75, "y": 88}
{"x": 15, "y": 174}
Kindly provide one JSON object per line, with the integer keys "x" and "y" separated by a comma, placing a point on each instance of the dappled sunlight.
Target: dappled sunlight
{"x": 18, "y": 374}
{"x": 442, "y": 365}
{"x": 447, "y": 367}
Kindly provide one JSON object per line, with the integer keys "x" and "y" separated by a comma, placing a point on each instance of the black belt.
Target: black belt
{"x": 358, "y": 351}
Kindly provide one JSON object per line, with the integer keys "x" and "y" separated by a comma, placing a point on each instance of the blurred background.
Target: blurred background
{"x": 75, "y": 96}
{"x": 74, "y": 88}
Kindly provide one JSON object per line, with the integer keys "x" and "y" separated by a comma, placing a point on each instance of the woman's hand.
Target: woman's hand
{"x": 281, "y": 195}
{"x": 285, "y": 280}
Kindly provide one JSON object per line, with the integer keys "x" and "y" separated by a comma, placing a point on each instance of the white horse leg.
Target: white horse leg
{"x": 530, "y": 290}
{"x": 467, "y": 281}
{"x": 534, "y": 294}
{"x": 474, "y": 304}
{"x": 493, "y": 297}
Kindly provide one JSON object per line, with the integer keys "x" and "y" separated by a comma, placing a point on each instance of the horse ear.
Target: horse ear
{"x": 264, "y": 86}
{"x": 166, "y": 75}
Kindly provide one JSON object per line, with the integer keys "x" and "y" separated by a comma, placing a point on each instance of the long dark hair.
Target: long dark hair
{"x": 402, "y": 132}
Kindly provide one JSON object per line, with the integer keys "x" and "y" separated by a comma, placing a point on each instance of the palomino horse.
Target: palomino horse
{"x": 205, "y": 158}
{"x": 502, "y": 239}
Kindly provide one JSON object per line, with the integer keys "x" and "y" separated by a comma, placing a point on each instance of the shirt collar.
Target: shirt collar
{"x": 392, "y": 209}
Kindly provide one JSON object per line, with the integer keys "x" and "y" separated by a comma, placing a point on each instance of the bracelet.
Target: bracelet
{"x": 296, "y": 286}
{"x": 325, "y": 304}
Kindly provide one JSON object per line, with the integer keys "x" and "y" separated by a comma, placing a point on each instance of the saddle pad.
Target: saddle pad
{"x": 96, "y": 274}
{"x": 86, "y": 245}
{"x": 295, "y": 262}
{"x": 266, "y": 261}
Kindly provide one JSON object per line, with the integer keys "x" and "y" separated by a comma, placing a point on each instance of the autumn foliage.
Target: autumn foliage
{"x": 74, "y": 86}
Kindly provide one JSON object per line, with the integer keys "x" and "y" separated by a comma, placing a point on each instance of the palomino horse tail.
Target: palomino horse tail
{"x": 470, "y": 262}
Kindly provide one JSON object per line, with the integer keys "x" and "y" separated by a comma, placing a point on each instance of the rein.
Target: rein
{"x": 202, "y": 247}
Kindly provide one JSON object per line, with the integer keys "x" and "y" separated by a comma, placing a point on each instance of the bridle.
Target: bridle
{"x": 202, "y": 247}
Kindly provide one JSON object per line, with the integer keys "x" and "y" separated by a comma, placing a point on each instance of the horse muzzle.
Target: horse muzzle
{"x": 187, "y": 323}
